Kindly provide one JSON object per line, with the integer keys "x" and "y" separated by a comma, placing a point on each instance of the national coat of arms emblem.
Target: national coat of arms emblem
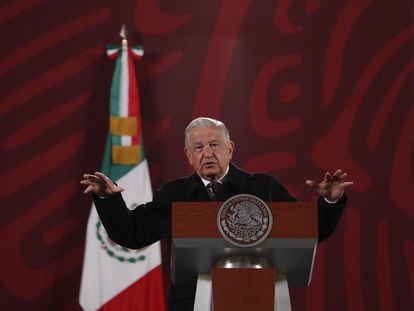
{"x": 244, "y": 220}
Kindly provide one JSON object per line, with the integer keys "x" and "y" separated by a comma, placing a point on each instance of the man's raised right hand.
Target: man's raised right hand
{"x": 100, "y": 184}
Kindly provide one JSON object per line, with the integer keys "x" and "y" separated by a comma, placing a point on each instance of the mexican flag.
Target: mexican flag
{"x": 114, "y": 277}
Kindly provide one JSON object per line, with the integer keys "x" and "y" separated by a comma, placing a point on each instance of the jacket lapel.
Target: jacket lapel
{"x": 235, "y": 182}
{"x": 195, "y": 190}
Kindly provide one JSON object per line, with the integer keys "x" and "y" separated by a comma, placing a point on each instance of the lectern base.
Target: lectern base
{"x": 203, "y": 299}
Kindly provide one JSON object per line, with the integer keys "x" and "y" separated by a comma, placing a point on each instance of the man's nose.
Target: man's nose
{"x": 207, "y": 150}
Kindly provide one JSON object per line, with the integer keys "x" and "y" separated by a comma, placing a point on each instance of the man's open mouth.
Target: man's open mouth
{"x": 209, "y": 164}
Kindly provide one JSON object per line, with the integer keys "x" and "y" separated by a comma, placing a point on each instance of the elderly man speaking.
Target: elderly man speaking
{"x": 209, "y": 151}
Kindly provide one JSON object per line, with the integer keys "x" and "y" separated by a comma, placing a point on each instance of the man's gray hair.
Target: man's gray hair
{"x": 206, "y": 122}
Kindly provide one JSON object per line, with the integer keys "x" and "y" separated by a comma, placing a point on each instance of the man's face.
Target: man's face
{"x": 208, "y": 152}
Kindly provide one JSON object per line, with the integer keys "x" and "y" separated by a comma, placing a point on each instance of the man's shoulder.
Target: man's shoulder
{"x": 175, "y": 189}
{"x": 177, "y": 184}
{"x": 238, "y": 172}
{"x": 261, "y": 178}
{"x": 174, "y": 183}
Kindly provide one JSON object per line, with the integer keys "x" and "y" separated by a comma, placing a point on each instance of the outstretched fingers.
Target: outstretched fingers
{"x": 311, "y": 183}
{"x": 108, "y": 183}
{"x": 100, "y": 184}
{"x": 88, "y": 189}
{"x": 347, "y": 184}
{"x": 102, "y": 176}
{"x": 332, "y": 186}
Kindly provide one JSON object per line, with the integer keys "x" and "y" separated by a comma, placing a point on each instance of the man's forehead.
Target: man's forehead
{"x": 209, "y": 131}
{"x": 205, "y": 135}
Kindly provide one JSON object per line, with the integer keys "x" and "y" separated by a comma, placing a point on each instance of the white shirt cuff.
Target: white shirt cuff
{"x": 331, "y": 202}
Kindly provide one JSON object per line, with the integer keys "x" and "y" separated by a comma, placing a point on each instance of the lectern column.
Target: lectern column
{"x": 243, "y": 289}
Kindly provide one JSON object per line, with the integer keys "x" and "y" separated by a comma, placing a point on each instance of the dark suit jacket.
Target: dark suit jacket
{"x": 151, "y": 222}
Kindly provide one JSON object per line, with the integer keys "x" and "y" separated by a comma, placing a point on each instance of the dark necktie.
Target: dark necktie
{"x": 212, "y": 189}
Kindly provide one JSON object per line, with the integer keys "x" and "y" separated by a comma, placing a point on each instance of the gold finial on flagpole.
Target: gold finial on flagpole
{"x": 123, "y": 34}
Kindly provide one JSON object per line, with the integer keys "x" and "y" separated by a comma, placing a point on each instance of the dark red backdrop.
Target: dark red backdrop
{"x": 304, "y": 86}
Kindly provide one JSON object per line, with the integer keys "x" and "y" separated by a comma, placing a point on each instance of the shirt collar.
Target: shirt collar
{"x": 220, "y": 180}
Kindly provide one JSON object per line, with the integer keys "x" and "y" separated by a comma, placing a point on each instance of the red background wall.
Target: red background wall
{"x": 304, "y": 87}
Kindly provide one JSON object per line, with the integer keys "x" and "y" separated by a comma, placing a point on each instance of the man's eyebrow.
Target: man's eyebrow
{"x": 199, "y": 143}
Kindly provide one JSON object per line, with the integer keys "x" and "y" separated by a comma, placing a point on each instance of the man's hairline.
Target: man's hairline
{"x": 186, "y": 142}
{"x": 213, "y": 124}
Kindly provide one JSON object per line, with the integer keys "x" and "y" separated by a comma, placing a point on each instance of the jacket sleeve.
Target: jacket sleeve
{"x": 131, "y": 228}
{"x": 329, "y": 215}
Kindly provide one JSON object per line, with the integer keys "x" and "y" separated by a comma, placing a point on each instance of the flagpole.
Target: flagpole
{"x": 123, "y": 34}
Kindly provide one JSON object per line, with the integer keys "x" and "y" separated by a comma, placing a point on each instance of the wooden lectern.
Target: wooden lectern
{"x": 198, "y": 246}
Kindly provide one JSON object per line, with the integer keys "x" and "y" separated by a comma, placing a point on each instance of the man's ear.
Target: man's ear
{"x": 188, "y": 155}
{"x": 231, "y": 146}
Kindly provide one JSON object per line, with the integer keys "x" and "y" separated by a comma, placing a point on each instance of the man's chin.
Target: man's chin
{"x": 211, "y": 174}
